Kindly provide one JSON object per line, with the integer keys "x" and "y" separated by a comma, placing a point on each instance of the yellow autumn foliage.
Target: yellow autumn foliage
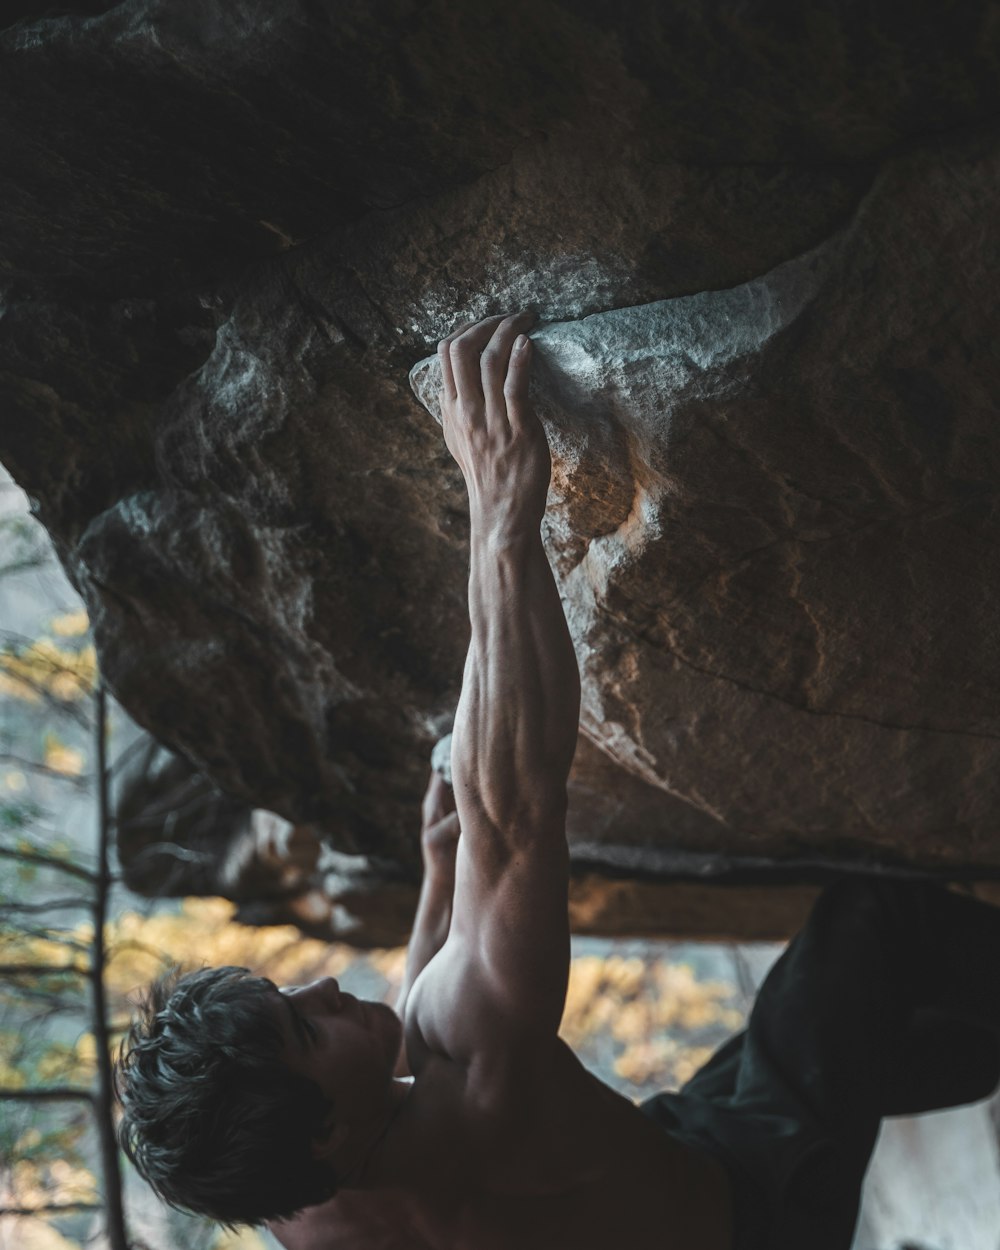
{"x": 655, "y": 1013}
{"x": 34, "y": 1185}
{"x": 239, "y": 1239}
{"x": 11, "y": 1075}
{"x": 68, "y": 1064}
{"x": 46, "y": 668}
{"x": 202, "y": 931}
{"x": 61, "y": 758}
{"x": 70, "y": 624}
{"x": 664, "y": 1021}
{"x": 23, "y": 948}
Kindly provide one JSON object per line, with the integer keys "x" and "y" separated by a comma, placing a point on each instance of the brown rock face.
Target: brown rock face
{"x": 762, "y": 242}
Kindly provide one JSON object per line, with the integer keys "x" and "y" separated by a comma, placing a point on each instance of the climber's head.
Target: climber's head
{"x": 237, "y": 1096}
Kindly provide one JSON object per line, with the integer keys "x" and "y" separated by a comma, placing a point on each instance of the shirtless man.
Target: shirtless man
{"x": 250, "y": 1104}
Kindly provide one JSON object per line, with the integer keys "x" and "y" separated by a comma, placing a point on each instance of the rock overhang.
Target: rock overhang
{"x": 766, "y": 368}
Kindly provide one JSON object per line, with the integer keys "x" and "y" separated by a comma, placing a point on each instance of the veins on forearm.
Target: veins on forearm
{"x": 519, "y": 711}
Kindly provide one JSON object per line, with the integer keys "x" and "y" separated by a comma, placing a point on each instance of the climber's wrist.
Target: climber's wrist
{"x": 503, "y": 529}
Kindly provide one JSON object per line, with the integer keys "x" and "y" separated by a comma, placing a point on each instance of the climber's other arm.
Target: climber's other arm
{"x": 439, "y": 836}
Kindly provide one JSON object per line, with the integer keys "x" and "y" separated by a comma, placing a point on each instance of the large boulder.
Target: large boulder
{"x": 761, "y": 243}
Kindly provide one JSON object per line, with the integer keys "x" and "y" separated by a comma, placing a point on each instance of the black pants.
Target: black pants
{"x": 887, "y": 1003}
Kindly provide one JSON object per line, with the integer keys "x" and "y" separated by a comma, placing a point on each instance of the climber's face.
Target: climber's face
{"x": 346, "y": 1045}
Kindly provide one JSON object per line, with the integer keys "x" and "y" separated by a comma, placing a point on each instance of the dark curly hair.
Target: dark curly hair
{"x": 212, "y": 1117}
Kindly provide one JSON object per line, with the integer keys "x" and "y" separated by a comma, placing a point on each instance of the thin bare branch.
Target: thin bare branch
{"x": 59, "y": 937}
{"x": 36, "y": 766}
{"x": 60, "y": 706}
{"x": 48, "y": 861}
{"x": 133, "y": 944}
{"x": 51, "y": 1208}
{"x": 13, "y": 908}
{"x": 44, "y": 1005}
{"x": 31, "y": 559}
{"x": 16, "y": 642}
{"x": 41, "y": 970}
{"x": 117, "y": 1234}
{"x": 124, "y": 758}
{"x": 54, "y": 1093}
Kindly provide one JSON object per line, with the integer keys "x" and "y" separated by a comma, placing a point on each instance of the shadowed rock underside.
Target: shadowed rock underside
{"x": 761, "y": 241}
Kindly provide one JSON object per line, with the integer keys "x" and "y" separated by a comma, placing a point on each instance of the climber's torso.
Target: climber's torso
{"x": 575, "y": 1166}
{"x": 585, "y": 1169}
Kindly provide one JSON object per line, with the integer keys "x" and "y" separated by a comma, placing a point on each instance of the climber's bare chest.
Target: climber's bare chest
{"x": 587, "y": 1169}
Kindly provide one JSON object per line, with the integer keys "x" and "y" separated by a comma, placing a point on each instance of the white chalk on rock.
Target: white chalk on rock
{"x": 441, "y": 758}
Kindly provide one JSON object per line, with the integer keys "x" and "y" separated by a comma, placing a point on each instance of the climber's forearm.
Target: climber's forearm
{"x": 516, "y": 727}
{"x": 432, "y": 921}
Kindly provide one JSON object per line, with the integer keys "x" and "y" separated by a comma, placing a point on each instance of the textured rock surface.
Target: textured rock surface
{"x": 756, "y": 496}
{"x": 761, "y": 240}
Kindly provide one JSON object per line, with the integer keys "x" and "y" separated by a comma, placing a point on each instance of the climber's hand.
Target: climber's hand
{"x": 490, "y": 426}
{"x": 439, "y": 800}
{"x": 439, "y": 827}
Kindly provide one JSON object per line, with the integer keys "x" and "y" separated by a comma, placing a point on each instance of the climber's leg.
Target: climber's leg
{"x": 942, "y": 1062}
{"x": 874, "y": 955}
{"x": 880, "y": 1006}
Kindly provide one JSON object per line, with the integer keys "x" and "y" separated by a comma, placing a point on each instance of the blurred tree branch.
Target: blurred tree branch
{"x": 58, "y": 937}
{"x": 41, "y": 970}
{"x": 54, "y": 904}
{"x": 48, "y": 861}
{"x": 45, "y": 985}
{"x": 117, "y": 1235}
{"x": 51, "y": 1093}
{"x": 43, "y": 770}
{"x": 51, "y": 1208}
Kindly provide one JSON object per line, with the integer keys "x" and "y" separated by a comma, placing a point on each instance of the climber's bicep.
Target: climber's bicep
{"x": 492, "y": 999}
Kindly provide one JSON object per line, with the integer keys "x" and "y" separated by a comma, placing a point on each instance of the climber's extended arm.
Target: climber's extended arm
{"x": 493, "y": 998}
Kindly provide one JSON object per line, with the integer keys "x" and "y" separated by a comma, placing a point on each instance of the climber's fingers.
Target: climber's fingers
{"x": 463, "y": 352}
{"x": 495, "y": 365}
{"x": 444, "y": 355}
{"x": 448, "y": 392}
{"x": 520, "y": 413}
